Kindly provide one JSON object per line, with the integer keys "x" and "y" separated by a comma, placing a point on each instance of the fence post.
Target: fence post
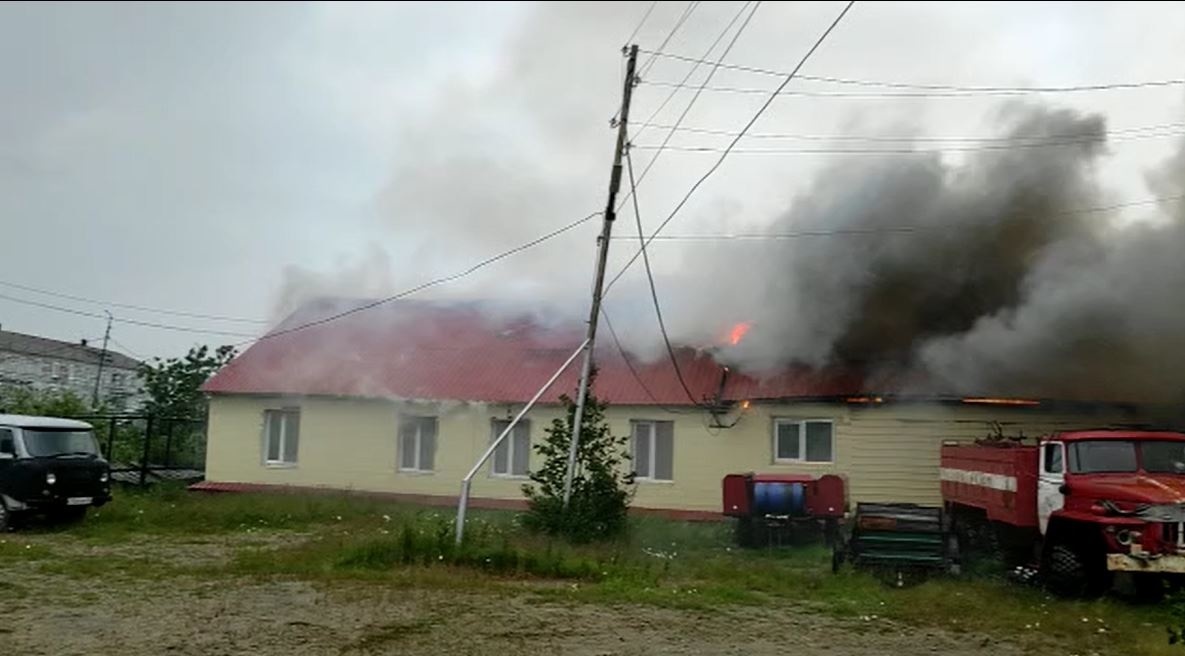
{"x": 111, "y": 440}
{"x": 169, "y": 443}
{"x": 144, "y": 457}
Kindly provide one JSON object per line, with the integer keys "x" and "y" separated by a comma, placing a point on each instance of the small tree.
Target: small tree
{"x": 601, "y": 486}
{"x": 174, "y": 385}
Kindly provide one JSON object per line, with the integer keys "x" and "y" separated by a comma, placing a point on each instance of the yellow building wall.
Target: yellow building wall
{"x": 886, "y": 452}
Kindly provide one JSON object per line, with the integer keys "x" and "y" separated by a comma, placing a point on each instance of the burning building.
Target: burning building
{"x": 403, "y": 398}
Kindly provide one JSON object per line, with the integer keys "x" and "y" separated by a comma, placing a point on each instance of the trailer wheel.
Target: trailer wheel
{"x": 745, "y": 533}
{"x": 837, "y": 556}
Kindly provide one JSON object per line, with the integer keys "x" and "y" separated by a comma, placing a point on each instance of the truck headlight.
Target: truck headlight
{"x": 50, "y": 478}
{"x": 103, "y": 477}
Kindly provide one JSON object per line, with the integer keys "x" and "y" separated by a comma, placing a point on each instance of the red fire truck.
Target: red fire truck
{"x": 1084, "y": 505}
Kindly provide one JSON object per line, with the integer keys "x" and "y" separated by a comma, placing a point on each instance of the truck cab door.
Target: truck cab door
{"x": 1050, "y": 480}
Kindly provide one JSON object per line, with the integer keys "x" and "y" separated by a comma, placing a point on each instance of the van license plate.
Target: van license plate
{"x": 79, "y": 501}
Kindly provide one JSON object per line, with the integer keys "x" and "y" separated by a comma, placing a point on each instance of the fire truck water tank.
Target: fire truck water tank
{"x": 779, "y": 498}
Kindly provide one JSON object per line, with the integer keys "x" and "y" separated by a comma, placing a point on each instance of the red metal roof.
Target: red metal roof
{"x": 427, "y": 350}
{"x": 1074, "y": 436}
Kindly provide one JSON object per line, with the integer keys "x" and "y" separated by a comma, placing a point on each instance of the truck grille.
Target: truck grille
{"x": 1174, "y": 533}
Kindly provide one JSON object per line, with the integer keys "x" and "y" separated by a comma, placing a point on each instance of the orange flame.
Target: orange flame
{"x": 738, "y": 332}
{"x": 994, "y": 401}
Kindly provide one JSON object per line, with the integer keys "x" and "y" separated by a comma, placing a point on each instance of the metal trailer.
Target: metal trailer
{"x": 901, "y": 539}
{"x": 770, "y": 509}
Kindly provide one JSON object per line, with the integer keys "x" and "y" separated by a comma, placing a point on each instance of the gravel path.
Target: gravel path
{"x": 51, "y": 612}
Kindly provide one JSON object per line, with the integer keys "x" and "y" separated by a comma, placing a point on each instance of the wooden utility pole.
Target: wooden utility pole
{"x": 102, "y": 360}
{"x": 610, "y": 215}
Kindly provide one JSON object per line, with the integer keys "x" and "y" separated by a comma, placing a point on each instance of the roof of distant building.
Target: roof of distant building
{"x": 44, "y": 347}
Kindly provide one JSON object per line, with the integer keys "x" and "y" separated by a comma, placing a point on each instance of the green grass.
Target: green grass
{"x": 661, "y": 563}
{"x": 13, "y": 548}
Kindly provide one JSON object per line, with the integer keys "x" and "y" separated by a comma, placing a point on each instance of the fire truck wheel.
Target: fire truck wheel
{"x": 1069, "y": 575}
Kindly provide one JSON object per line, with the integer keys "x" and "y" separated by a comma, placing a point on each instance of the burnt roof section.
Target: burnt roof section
{"x": 468, "y": 352}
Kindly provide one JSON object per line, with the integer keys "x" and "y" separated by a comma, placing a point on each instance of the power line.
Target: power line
{"x": 883, "y": 230}
{"x": 426, "y": 285}
{"x": 632, "y": 369}
{"x": 687, "y": 12}
{"x": 736, "y": 139}
{"x": 128, "y": 350}
{"x": 638, "y": 28}
{"x": 128, "y": 306}
{"x": 662, "y": 326}
{"x": 670, "y": 96}
{"x": 133, "y": 322}
{"x": 867, "y": 95}
{"x": 907, "y": 151}
{"x": 1158, "y": 129}
{"x": 933, "y": 87}
{"x": 707, "y": 79}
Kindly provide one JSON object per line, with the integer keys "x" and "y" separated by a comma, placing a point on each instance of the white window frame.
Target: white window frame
{"x": 653, "y": 459}
{"x": 801, "y": 459}
{"x": 419, "y": 450}
{"x": 509, "y": 442}
{"x": 269, "y": 415}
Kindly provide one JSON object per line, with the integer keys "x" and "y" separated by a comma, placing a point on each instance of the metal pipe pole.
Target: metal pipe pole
{"x": 111, "y": 440}
{"x": 144, "y": 456}
{"x": 602, "y": 257}
{"x": 463, "y": 501}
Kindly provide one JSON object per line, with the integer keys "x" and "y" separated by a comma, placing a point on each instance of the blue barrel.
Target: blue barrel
{"x": 778, "y": 498}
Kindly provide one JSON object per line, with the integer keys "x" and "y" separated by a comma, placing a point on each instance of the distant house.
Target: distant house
{"x": 403, "y": 399}
{"x": 49, "y": 364}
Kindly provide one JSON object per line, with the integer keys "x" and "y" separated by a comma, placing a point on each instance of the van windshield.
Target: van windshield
{"x": 42, "y": 443}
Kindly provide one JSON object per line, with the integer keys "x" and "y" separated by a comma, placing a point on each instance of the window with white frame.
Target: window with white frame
{"x": 808, "y": 440}
{"x": 513, "y": 455}
{"x": 281, "y": 430}
{"x": 653, "y": 450}
{"x": 417, "y": 444}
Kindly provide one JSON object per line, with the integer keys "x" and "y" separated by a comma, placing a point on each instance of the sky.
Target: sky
{"x": 236, "y": 159}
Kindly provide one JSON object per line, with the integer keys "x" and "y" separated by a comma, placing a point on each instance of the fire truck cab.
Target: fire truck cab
{"x": 1087, "y": 503}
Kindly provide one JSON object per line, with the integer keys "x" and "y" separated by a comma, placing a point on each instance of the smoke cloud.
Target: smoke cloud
{"x": 980, "y": 272}
{"x": 985, "y": 276}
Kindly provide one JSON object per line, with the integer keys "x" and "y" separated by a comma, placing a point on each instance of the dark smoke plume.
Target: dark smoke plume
{"x": 981, "y": 277}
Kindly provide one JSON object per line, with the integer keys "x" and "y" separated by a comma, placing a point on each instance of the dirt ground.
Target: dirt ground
{"x": 51, "y": 612}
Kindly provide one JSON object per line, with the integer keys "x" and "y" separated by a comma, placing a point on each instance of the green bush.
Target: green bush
{"x": 602, "y": 487}
{"x": 25, "y": 400}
